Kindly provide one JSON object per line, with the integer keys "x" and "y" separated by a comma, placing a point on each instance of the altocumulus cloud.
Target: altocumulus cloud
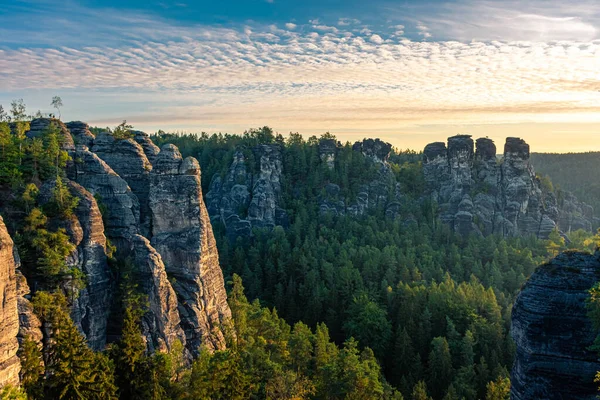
{"x": 314, "y": 75}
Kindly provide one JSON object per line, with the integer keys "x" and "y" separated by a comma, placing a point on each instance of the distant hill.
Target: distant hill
{"x": 574, "y": 172}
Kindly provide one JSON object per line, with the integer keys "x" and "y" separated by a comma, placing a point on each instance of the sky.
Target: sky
{"x": 408, "y": 72}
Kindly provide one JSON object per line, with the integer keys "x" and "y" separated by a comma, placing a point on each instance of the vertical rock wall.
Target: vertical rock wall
{"x": 9, "y": 316}
{"x": 182, "y": 234}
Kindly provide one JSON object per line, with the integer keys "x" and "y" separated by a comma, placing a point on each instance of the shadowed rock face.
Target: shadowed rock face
{"x": 374, "y": 148}
{"x": 552, "y": 331}
{"x": 243, "y": 200}
{"x": 477, "y": 194}
{"x": 91, "y": 308}
{"x": 150, "y": 149}
{"x": 81, "y": 133}
{"x": 327, "y": 151}
{"x": 9, "y": 316}
{"x": 183, "y": 236}
{"x": 160, "y": 324}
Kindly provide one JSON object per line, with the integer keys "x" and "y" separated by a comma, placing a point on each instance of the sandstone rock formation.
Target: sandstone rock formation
{"x": 127, "y": 158}
{"x": 80, "y": 131}
{"x": 150, "y": 149}
{"x": 91, "y": 307}
{"x": 160, "y": 324}
{"x": 39, "y": 125}
{"x": 327, "y": 151}
{"x": 479, "y": 193}
{"x": 9, "y": 316}
{"x": 552, "y": 331}
{"x": 182, "y": 234}
{"x": 371, "y": 195}
{"x": 243, "y": 200}
{"x": 121, "y": 204}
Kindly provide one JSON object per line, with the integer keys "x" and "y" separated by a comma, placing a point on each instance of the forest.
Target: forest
{"x": 572, "y": 172}
{"x": 327, "y": 307}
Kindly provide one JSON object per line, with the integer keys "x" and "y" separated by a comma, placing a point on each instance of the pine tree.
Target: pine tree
{"x": 32, "y": 368}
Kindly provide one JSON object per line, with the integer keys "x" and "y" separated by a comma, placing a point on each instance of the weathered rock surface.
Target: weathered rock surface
{"x": 9, "y": 316}
{"x": 327, "y": 151}
{"x": 91, "y": 307}
{"x": 39, "y": 125}
{"x": 552, "y": 331}
{"x": 183, "y": 236}
{"x": 376, "y": 149}
{"x": 121, "y": 204}
{"x": 243, "y": 200}
{"x": 150, "y": 149}
{"x": 160, "y": 324}
{"x": 380, "y": 192}
{"x": 80, "y": 131}
{"x": 479, "y": 193}
{"x": 127, "y": 158}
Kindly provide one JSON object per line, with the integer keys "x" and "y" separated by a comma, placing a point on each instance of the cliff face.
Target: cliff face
{"x": 9, "y": 315}
{"x": 381, "y": 192}
{"x": 161, "y": 323}
{"x": 182, "y": 234}
{"x": 243, "y": 200}
{"x": 478, "y": 193}
{"x": 552, "y": 332}
{"x": 127, "y": 158}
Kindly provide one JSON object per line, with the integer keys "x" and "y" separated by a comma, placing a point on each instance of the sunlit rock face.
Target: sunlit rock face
{"x": 122, "y": 206}
{"x": 182, "y": 234}
{"x": 161, "y": 322}
{"x": 38, "y": 126}
{"x": 479, "y": 193}
{"x": 9, "y": 315}
{"x": 128, "y": 159}
{"x": 553, "y": 333}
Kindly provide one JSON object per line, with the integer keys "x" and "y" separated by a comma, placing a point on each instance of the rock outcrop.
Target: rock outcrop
{"x": 327, "y": 151}
{"x": 39, "y": 125}
{"x": 150, "y": 149}
{"x": 482, "y": 194}
{"x": 91, "y": 306}
{"x": 10, "y": 366}
{"x": 552, "y": 331}
{"x": 243, "y": 200}
{"x": 80, "y": 131}
{"x": 182, "y": 234}
{"x": 127, "y": 158}
{"x": 380, "y": 192}
{"x": 122, "y": 206}
{"x": 160, "y": 324}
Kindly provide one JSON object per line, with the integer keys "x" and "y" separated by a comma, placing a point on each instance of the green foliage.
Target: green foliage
{"x": 62, "y": 203}
{"x": 122, "y": 131}
{"x": 72, "y": 370}
{"x": 9, "y": 392}
{"x": 32, "y": 369}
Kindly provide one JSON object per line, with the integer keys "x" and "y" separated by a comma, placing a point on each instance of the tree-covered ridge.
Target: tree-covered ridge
{"x": 573, "y": 172}
{"x": 346, "y": 307}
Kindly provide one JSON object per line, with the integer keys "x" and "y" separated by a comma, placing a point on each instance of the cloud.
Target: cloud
{"x": 376, "y": 39}
{"x": 507, "y": 20}
{"x": 423, "y": 30}
{"x": 348, "y": 21}
{"x": 159, "y": 74}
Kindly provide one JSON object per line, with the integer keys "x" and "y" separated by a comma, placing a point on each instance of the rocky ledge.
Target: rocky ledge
{"x": 552, "y": 331}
